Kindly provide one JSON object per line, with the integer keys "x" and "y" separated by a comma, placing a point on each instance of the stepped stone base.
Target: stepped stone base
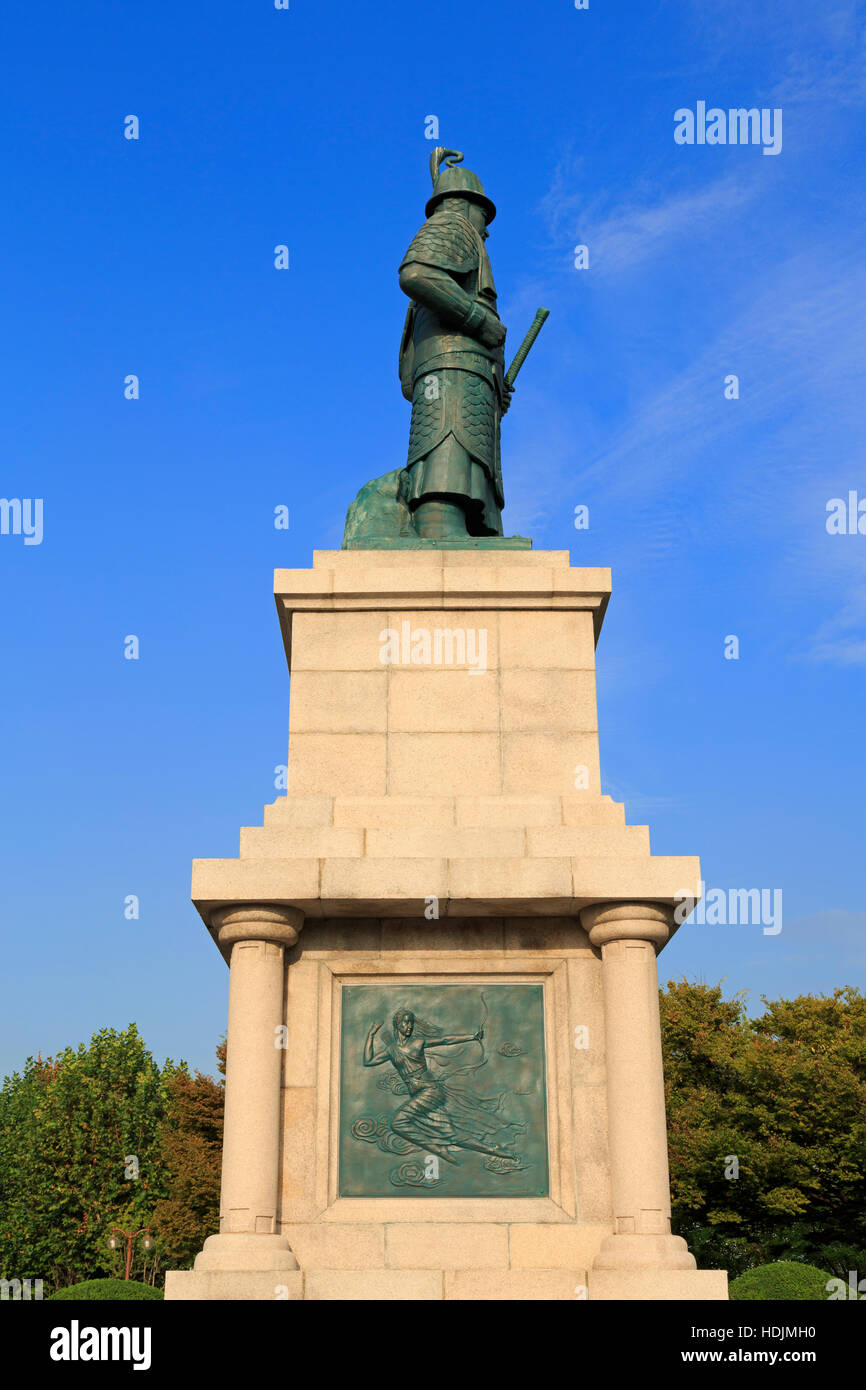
{"x": 246, "y": 1285}
{"x": 658, "y": 1285}
{"x": 444, "y": 826}
{"x": 462, "y": 1285}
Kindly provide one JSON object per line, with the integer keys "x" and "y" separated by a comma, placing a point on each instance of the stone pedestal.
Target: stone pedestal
{"x": 444, "y": 840}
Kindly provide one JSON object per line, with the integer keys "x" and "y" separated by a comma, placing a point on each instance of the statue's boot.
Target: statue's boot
{"x": 440, "y": 521}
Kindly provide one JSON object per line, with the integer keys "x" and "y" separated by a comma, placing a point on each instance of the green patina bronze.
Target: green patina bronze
{"x": 442, "y": 1091}
{"x": 452, "y": 369}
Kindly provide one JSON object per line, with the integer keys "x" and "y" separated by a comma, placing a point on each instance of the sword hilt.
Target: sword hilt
{"x": 524, "y": 349}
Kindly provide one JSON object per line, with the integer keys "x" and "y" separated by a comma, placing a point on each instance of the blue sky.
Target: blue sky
{"x": 261, "y": 387}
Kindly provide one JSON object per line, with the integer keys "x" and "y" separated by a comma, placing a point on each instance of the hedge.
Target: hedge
{"x": 784, "y": 1279}
{"x": 108, "y": 1289}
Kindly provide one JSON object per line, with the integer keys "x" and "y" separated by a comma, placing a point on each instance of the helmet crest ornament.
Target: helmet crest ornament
{"x": 451, "y": 182}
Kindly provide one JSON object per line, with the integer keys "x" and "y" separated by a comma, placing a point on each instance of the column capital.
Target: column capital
{"x": 606, "y": 922}
{"x": 257, "y": 922}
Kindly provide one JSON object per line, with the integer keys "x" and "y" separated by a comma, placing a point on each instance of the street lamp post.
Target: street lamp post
{"x": 130, "y": 1237}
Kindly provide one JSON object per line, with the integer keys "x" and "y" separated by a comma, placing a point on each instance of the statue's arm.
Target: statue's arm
{"x": 371, "y": 1057}
{"x": 449, "y": 1042}
{"x": 375, "y": 1059}
{"x": 440, "y": 292}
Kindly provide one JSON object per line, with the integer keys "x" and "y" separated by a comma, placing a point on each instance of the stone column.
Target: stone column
{"x": 628, "y": 935}
{"x": 248, "y": 1240}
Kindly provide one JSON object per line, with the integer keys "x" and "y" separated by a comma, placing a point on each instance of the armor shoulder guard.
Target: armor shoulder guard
{"x": 445, "y": 241}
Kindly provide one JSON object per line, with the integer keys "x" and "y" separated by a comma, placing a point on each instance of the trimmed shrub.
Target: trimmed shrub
{"x": 108, "y": 1289}
{"x": 783, "y": 1280}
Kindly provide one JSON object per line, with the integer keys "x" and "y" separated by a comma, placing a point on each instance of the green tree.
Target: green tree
{"x": 191, "y": 1149}
{"x": 80, "y": 1152}
{"x": 767, "y": 1126}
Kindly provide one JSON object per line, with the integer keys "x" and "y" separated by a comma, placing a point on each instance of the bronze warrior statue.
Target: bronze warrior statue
{"x": 452, "y": 362}
{"x": 452, "y": 369}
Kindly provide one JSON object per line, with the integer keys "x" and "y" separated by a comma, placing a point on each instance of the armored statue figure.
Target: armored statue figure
{"x": 452, "y": 369}
{"x": 452, "y": 365}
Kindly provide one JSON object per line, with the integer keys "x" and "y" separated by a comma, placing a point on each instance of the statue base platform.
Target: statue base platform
{"x": 427, "y": 1285}
{"x": 426, "y": 543}
{"x": 444, "y": 850}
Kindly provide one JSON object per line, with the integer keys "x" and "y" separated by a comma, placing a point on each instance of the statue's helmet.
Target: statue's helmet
{"x": 449, "y": 182}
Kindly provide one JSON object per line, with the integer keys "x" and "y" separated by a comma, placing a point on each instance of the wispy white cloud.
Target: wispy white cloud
{"x": 841, "y": 640}
{"x": 632, "y": 232}
{"x": 796, "y": 348}
{"x": 793, "y": 329}
{"x": 813, "y": 53}
{"x": 787, "y": 315}
{"x": 833, "y": 926}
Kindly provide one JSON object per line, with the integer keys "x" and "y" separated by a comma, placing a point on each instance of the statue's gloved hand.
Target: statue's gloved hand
{"x": 507, "y": 393}
{"x": 490, "y": 331}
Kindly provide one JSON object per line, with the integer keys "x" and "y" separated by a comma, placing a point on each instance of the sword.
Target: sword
{"x": 523, "y": 351}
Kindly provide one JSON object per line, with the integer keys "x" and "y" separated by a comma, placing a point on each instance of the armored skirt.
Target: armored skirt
{"x": 454, "y": 443}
